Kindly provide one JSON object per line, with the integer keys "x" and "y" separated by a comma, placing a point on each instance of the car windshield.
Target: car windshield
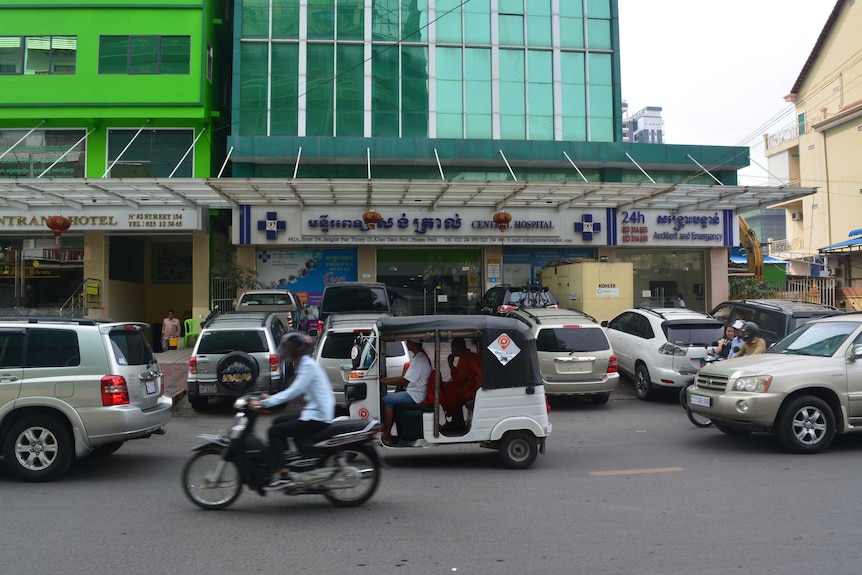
{"x": 817, "y": 339}
{"x": 338, "y": 345}
{"x": 266, "y": 299}
{"x": 571, "y": 340}
{"x": 532, "y": 298}
{"x": 355, "y": 299}
{"x": 225, "y": 341}
{"x": 130, "y": 347}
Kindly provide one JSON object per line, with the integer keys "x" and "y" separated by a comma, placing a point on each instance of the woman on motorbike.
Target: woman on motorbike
{"x": 312, "y": 383}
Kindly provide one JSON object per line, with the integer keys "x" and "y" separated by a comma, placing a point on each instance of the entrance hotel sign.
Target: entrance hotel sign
{"x": 104, "y": 219}
{"x": 474, "y": 226}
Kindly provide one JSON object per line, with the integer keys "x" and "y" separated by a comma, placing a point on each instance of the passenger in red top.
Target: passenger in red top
{"x": 466, "y": 379}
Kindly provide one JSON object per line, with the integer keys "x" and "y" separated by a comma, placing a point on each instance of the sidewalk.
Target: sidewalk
{"x": 175, "y": 370}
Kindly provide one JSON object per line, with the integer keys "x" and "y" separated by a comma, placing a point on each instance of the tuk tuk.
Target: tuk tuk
{"x": 509, "y": 412}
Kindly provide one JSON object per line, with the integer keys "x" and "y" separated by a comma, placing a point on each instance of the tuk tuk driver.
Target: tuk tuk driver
{"x": 416, "y": 380}
{"x": 461, "y": 389}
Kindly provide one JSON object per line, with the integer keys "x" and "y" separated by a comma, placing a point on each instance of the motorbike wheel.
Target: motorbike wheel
{"x": 361, "y": 476}
{"x": 198, "y": 484}
{"x": 694, "y": 417}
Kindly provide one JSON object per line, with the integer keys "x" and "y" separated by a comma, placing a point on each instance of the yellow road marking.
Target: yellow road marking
{"x": 637, "y": 471}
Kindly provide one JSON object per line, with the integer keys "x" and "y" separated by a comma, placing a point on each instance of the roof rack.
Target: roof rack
{"x": 530, "y": 313}
{"x": 52, "y": 319}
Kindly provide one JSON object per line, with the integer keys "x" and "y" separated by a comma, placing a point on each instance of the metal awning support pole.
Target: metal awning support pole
{"x": 66, "y": 153}
{"x": 24, "y": 137}
{"x": 574, "y": 166}
{"x": 171, "y": 175}
{"x": 699, "y": 165}
{"x": 224, "y": 164}
{"x": 508, "y": 166}
{"x": 439, "y": 166}
{"x": 368, "y": 159}
{"x": 132, "y": 141}
{"x": 296, "y": 167}
{"x": 639, "y": 167}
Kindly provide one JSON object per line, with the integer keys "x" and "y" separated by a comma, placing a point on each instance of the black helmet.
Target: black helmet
{"x": 294, "y": 345}
{"x": 749, "y": 331}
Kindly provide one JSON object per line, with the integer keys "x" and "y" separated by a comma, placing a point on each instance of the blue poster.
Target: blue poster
{"x": 305, "y": 272}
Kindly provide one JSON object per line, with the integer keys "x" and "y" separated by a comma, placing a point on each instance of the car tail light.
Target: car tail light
{"x": 114, "y": 390}
{"x": 319, "y": 326}
{"x": 406, "y": 367}
{"x": 506, "y": 308}
{"x": 547, "y": 404}
{"x": 273, "y": 363}
{"x": 289, "y": 322}
{"x": 193, "y": 365}
{"x": 554, "y": 306}
{"x": 613, "y": 367}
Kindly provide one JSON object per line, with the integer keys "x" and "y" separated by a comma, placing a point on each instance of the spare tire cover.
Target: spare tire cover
{"x": 237, "y": 371}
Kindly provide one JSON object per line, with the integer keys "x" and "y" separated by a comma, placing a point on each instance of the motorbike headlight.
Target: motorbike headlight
{"x": 753, "y": 383}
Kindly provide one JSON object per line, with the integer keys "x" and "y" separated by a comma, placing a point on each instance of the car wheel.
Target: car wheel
{"x": 199, "y": 403}
{"x": 730, "y": 430}
{"x": 108, "y": 448}
{"x": 237, "y": 371}
{"x": 643, "y": 387}
{"x": 806, "y": 425}
{"x": 38, "y": 448}
{"x": 600, "y": 398}
{"x": 518, "y": 449}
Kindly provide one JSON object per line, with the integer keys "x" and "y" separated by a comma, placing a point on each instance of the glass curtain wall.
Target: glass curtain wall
{"x": 661, "y": 274}
{"x": 444, "y": 69}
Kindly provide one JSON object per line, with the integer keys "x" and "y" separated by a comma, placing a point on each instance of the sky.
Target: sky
{"x": 719, "y": 70}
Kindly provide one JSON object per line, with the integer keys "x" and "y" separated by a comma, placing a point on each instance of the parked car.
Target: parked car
{"x": 775, "y": 317}
{"x": 662, "y": 347}
{"x": 283, "y": 302}
{"x": 500, "y": 300}
{"x": 333, "y": 348}
{"x": 235, "y": 354}
{"x": 575, "y": 356}
{"x": 353, "y": 297}
{"x": 69, "y": 387}
{"x": 805, "y": 389}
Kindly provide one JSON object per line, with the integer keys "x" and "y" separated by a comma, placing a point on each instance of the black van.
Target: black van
{"x": 775, "y": 317}
{"x": 353, "y": 297}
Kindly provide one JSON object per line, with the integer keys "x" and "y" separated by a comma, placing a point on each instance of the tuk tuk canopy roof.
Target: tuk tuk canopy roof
{"x": 507, "y": 346}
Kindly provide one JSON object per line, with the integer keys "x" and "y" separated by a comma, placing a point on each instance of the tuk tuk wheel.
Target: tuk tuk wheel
{"x": 518, "y": 449}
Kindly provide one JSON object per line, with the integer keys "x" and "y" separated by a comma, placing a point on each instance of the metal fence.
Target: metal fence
{"x": 815, "y": 290}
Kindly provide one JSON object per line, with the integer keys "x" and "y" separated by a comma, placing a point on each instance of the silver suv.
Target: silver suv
{"x": 333, "y": 348}
{"x": 575, "y": 357}
{"x": 69, "y": 387}
{"x": 236, "y": 354}
{"x": 662, "y": 347}
{"x": 805, "y": 389}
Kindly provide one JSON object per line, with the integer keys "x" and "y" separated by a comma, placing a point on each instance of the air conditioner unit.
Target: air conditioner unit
{"x": 796, "y": 216}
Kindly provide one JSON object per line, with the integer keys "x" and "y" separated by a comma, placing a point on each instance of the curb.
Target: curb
{"x": 178, "y": 396}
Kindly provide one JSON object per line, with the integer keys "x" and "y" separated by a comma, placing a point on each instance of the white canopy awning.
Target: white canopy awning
{"x": 77, "y": 194}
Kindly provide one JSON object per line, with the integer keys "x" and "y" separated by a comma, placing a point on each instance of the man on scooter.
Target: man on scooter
{"x": 310, "y": 382}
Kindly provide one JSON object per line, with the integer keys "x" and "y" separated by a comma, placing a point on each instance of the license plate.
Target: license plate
{"x": 151, "y": 387}
{"x": 700, "y": 400}
{"x": 207, "y": 388}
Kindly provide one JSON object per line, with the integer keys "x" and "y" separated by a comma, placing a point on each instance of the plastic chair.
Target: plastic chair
{"x": 192, "y": 328}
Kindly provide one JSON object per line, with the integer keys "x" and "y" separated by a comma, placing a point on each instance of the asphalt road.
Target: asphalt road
{"x": 629, "y": 487}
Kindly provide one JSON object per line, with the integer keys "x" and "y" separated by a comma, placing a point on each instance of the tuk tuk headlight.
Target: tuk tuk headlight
{"x": 753, "y": 383}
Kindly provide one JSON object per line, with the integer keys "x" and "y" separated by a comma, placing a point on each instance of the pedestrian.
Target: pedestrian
{"x": 679, "y": 301}
{"x": 170, "y": 329}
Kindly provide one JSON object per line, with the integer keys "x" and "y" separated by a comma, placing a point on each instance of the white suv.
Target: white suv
{"x": 662, "y": 347}
{"x": 69, "y": 387}
{"x": 575, "y": 357}
{"x": 334, "y": 346}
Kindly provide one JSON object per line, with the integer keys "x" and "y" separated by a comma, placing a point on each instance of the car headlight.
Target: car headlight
{"x": 753, "y": 383}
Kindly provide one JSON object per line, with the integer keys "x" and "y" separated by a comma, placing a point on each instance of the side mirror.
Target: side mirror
{"x": 856, "y": 352}
{"x": 604, "y": 323}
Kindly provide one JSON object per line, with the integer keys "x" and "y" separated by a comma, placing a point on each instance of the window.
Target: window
{"x": 11, "y": 348}
{"x": 38, "y": 55}
{"x": 145, "y": 55}
{"x": 152, "y": 154}
{"x": 800, "y": 122}
{"x": 130, "y": 347}
{"x": 52, "y": 348}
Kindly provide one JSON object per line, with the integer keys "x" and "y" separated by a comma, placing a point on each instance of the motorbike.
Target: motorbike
{"x": 342, "y": 462}
{"x": 697, "y": 419}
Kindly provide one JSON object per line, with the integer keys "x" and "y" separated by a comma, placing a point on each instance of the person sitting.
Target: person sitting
{"x": 416, "y": 380}
{"x": 751, "y": 343}
{"x": 313, "y": 384}
{"x": 736, "y": 342}
{"x": 724, "y": 343}
{"x": 461, "y": 389}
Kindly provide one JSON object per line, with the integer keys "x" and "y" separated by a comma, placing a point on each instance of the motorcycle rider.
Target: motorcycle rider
{"x": 312, "y": 383}
{"x": 751, "y": 343}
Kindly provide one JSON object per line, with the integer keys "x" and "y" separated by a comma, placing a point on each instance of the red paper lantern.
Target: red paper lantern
{"x": 58, "y": 224}
{"x": 371, "y": 218}
{"x": 502, "y": 219}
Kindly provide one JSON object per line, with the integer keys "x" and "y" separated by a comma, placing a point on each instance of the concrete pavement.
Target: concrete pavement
{"x": 175, "y": 369}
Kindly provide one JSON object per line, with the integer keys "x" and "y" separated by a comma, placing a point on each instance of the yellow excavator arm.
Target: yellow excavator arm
{"x": 752, "y": 248}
